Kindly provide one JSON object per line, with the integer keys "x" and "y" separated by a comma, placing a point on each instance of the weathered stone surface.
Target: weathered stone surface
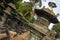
{"x": 23, "y": 36}
{"x": 3, "y": 35}
{"x": 12, "y": 5}
{"x": 49, "y": 11}
{"x": 46, "y": 38}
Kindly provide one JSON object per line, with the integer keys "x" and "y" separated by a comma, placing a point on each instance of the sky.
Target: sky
{"x": 45, "y": 3}
{"x": 56, "y": 10}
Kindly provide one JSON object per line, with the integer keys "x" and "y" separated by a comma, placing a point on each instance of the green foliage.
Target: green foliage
{"x": 57, "y": 29}
{"x": 30, "y": 18}
{"x": 24, "y": 7}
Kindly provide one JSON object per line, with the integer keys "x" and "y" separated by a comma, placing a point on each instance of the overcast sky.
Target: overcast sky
{"x": 56, "y": 10}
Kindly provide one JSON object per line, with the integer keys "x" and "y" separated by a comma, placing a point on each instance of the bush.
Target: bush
{"x": 24, "y": 7}
{"x": 57, "y": 29}
{"x": 30, "y": 18}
